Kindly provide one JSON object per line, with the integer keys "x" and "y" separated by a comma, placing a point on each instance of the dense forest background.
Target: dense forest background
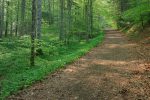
{"x": 39, "y": 36}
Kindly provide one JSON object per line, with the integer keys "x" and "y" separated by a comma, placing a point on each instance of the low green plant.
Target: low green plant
{"x": 15, "y": 70}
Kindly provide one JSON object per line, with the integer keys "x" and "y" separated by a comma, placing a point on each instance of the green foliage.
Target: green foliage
{"x": 106, "y": 11}
{"x": 15, "y": 70}
{"x": 134, "y": 14}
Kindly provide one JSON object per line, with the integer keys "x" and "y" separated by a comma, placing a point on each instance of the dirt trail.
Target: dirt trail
{"x": 111, "y": 71}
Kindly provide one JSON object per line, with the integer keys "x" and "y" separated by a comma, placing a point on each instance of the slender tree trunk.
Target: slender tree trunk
{"x": 69, "y": 6}
{"x": 61, "y": 35}
{"x": 1, "y": 18}
{"x": 87, "y": 19}
{"x": 44, "y": 3}
{"x": 7, "y": 17}
{"x": 69, "y": 14}
{"x": 91, "y": 17}
{"x": 23, "y": 9}
{"x": 58, "y": 17}
{"x": 50, "y": 12}
{"x": 17, "y": 18}
{"x": 32, "y": 62}
{"x": 11, "y": 20}
{"x": 53, "y": 8}
{"x": 39, "y": 18}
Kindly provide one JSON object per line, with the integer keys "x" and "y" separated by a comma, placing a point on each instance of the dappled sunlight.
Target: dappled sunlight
{"x": 125, "y": 46}
{"x": 74, "y": 49}
{"x": 97, "y": 61}
{"x": 111, "y": 46}
{"x": 71, "y": 70}
{"x": 107, "y": 71}
{"x": 109, "y": 62}
{"x": 117, "y": 63}
{"x": 111, "y": 37}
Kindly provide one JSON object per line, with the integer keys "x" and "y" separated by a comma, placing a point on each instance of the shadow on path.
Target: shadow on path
{"x": 109, "y": 72}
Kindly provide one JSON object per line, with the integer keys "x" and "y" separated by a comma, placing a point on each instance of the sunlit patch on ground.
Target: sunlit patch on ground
{"x": 112, "y": 71}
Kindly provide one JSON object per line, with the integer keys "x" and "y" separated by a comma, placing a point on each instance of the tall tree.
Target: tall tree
{"x": 90, "y": 16}
{"x": 1, "y": 4}
{"x": 61, "y": 35}
{"x": 69, "y": 19}
{"x": 32, "y": 58}
{"x": 11, "y": 19}
{"x": 50, "y": 12}
{"x": 39, "y": 18}
{"x": 17, "y": 17}
{"x": 2, "y": 18}
{"x": 7, "y": 18}
{"x": 23, "y": 10}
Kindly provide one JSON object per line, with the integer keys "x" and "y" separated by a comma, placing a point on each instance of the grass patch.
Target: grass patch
{"x": 15, "y": 70}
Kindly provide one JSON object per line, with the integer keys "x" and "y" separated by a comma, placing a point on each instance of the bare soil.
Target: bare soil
{"x": 113, "y": 70}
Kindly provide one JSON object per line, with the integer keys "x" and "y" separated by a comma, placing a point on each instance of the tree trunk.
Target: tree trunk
{"x": 7, "y": 17}
{"x": 87, "y": 19}
{"x": 32, "y": 62}
{"x": 17, "y": 18}
{"x": 1, "y": 19}
{"x": 69, "y": 6}
{"x": 39, "y": 18}
{"x": 61, "y": 35}
{"x": 11, "y": 20}
{"x": 91, "y": 16}
{"x": 50, "y": 12}
{"x": 23, "y": 9}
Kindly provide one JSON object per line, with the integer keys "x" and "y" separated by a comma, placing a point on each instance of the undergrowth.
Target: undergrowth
{"x": 15, "y": 70}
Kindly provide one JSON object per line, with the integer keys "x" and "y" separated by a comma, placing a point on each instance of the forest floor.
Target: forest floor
{"x": 114, "y": 70}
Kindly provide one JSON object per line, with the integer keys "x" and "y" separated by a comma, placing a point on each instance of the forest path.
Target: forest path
{"x": 111, "y": 71}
